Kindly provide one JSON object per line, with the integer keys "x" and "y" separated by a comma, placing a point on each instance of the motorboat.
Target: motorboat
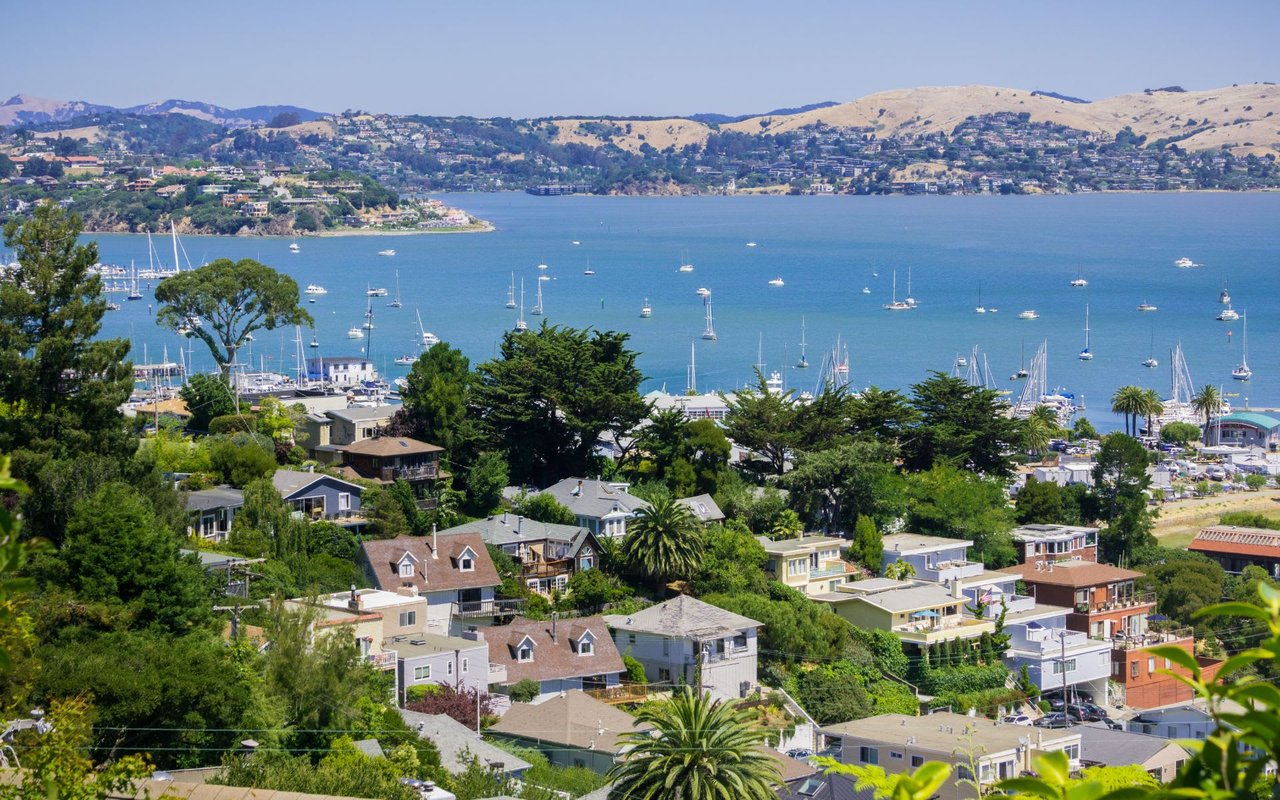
{"x": 315, "y": 288}
{"x": 315, "y": 342}
{"x": 645, "y": 310}
{"x": 1228, "y": 314}
{"x": 387, "y": 252}
{"x": 406, "y": 361}
{"x": 1185, "y": 263}
{"x": 354, "y": 332}
{"x": 776, "y": 282}
{"x": 704, "y": 292}
{"x": 1030, "y": 313}
{"x": 866, "y": 290}
{"x": 294, "y": 248}
{"x": 751, "y": 244}
{"x": 1145, "y": 306}
{"x": 378, "y": 292}
{"x": 685, "y": 268}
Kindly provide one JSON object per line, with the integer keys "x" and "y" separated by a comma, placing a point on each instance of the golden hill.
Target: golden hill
{"x": 629, "y": 134}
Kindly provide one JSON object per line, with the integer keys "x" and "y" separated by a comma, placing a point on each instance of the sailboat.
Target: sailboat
{"x": 134, "y": 294}
{"x": 1151, "y": 362}
{"x": 909, "y": 300}
{"x": 537, "y": 303}
{"x": 895, "y": 304}
{"x": 427, "y": 338}
{"x": 1085, "y": 355}
{"x": 1079, "y": 282}
{"x": 368, "y": 317}
{"x": 314, "y": 341}
{"x": 980, "y": 308}
{"x": 396, "y": 302}
{"x": 803, "y": 363}
{"x": 1242, "y": 372}
{"x": 511, "y": 292}
{"x": 1022, "y": 366}
{"x": 588, "y": 270}
{"x": 710, "y": 332}
{"x": 294, "y": 247}
{"x": 685, "y": 265}
{"x": 646, "y": 310}
{"x": 521, "y": 325}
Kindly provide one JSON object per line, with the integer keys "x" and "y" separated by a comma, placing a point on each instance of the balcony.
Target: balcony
{"x": 490, "y": 608}
{"x": 1015, "y": 603}
{"x": 383, "y": 660}
{"x": 932, "y": 631}
{"x": 546, "y": 569}
{"x": 1117, "y": 603}
{"x": 1127, "y": 641}
{"x": 832, "y": 569}
{"x": 955, "y": 569}
{"x": 627, "y": 692}
{"x": 419, "y": 473}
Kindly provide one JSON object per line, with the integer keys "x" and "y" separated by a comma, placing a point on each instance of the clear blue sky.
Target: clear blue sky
{"x": 548, "y": 57}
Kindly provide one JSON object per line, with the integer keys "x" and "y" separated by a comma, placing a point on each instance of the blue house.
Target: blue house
{"x": 934, "y": 558}
{"x": 320, "y": 497}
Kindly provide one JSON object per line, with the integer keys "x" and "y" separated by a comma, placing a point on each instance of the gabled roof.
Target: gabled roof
{"x": 1237, "y": 541}
{"x": 289, "y": 482}
{"x": 1102, "y": 745}
{"x": 1075, "y": 573}
{"x": 386, "y": 446}
{"x": 703, "y": 507}
{"x": 594, "y": 499}
{"x": 217, "y": 497}
{"x": 683, "y": 617}
{"x": 441, "y": 571}
{"x": 512, "y": 529}
{"x": 572, "y": 719}
{"x": 458, "y": 744}
{"x": 553, "y": 658}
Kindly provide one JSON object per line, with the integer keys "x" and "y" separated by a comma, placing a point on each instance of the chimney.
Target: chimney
{"x": 577, "y": 491}
{"x": 434, "y": 550}
{"x": 504, "y": 517}
{"x": 955, "y": 588}
{"x": 519, "y": 526}
{"x": 554, "y": 617}
{"x": 354, "y": 602}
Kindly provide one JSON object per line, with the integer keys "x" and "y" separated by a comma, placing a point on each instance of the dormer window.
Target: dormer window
{"x": 586, "y": 644}
{"x": 467, "y": 561}
{"x": 525, "y": 653}
{"x": 405, "y": 566}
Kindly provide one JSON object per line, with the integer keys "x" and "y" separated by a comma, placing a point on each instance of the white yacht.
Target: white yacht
{"x": 1228, "y": 314}
{"x": 704, "y": 292}
{"x": 387, "y": 252}
{"x": 866, "y": 290}
{"x": 1145, "y": 306}
{"x": 1030, "y": 313}
{"x": 895, "y": 304}
{"x": 1185, "y": 263}
{"x": 1224, "y": 297}
{"x": 1085, "y": 354}
{"x": 406, "y": 361}
{"x": 315, "y": 342}
{"x": 354, "y": 332}
{"x": 294, "y": 248}
{"x": 685, "y": 268}
{"x": 646, "y": 310}
{"x": 315, "y": 288}
{"x": 1079, "y": 283}
{"x": 776, "y": 282}
{"x": 379, "y": 292}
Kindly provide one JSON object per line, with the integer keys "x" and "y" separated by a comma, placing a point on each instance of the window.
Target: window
{"x": 422, "y": 673}
{"x": 408, "y": 618}
{"x": 586, "y": 647}
{"x": 467, "y": 562}
{"x": 1072, "y": 751}
{"x": 740, "y": 642}
{"x": 917, "y": 761}
{"x": 895, "y": 756}
{"x": 964, "y": 773}
{"x": 1158, "y": 774}
{"x": 586, "y": 562}
{"x": 1133, "y": 669}
{"x": 525, "y": 653}
{"x": 406, "y": 569}
{"x": 466, "y": 663}
{"x": 1060, "y": 666}
{"x": 664, "y": 675}
{"x": 631, "y": 638}
{"x": 448, "y": 668}
{"x": 1151, "y": 665}
{"x": 869, "y": 755}
{"x": 344, "y": 501}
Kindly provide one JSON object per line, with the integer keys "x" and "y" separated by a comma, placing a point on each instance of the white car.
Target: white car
{"x": 1016, "y": 719}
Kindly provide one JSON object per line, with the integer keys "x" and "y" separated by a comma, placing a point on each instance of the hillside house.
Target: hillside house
{"x": 571, "y": 730}
{"x": 548, "y": 554}
{"x": 809, "y": 563}
{"x": 320, "y": 497}
{"x": 558, "y": 655}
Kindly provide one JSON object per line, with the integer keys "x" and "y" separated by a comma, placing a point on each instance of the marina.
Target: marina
{"x": 1021, "y": 250}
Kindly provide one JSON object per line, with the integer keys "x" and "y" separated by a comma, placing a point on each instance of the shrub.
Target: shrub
{"x": 231, "y": 423}
{"x": 524, "y": 691}
{"x": 635, "y": 670}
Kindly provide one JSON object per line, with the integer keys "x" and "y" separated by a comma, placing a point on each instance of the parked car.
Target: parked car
{"x": 1017, "y": 719}
{"x": 799, "y": 753}
{"x": 1215, "y": 473}
{"x": 1085, "y": 713}
{"x": 1055, "y": 719}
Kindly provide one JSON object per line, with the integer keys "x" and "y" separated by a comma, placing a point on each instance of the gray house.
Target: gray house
{"x": 211, "y": 512}
{"x": 459, "y": 745}
{"x": 431, "y": 658}
{"x": 685, "y": 640}
{"x": 320, "y": 497}
{"x": 603, "y": 507}
{"x": 548, "y": 554}
{"x": 1103, "y": 747}
{"x": 571, "y": 729}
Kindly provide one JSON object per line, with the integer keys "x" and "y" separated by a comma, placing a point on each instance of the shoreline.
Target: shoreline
{"x": 481, "y": 227}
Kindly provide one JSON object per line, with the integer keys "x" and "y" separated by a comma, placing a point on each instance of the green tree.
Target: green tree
{"x": 702, "y": 749}
{"x": 486, "y": 479}
{"x": 1040, "y": 502}
{"x": 1037, "y": 433}
{"x": 868, "y": 544}
{"x": 231, "y": 300}
{"x": 60, "y": 386}
{"x": 707, "y": 450}
{"x": 1128, "y": 400}
{"x": 1182, "y": 433}
{"x": 542, "y": 507}
{"x": 552, "y": 393}
{"x": 883, "y": 415}
{"x": 663, "y": 542}
{"x": 206, "y": 396}
{"x": 962, "y": 425}
{"x": 762, "y": 421}
{"x": 1121, "y": 481}
{"x": 833, "y": 487}
{"x": 834, "y": 693}
{"x": 732, "y": 562}
{"x": 900, "y": 571}
{"x": 240, "y": 460}
{"x": 435, "y": 401}
{"x": 958, "y": 504}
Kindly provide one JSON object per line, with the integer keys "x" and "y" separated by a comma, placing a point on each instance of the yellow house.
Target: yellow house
{"x": 918, "y": 612}
{"x": 811, "y": 564}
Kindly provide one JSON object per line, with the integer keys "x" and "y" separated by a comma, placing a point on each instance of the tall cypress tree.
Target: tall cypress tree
{"x": 60, "y": 388}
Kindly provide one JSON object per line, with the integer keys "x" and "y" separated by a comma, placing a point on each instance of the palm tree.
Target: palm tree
{"x": 1152, "y": 407}
{"x": 699, "y": 749}
{"x": 1128, "y": 401}
{"x": 1036, "y": 432}
{"x": 1207, "y": 402}
{"x": 664, "y": 542}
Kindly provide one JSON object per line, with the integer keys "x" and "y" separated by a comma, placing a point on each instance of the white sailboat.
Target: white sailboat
{"x": 685, "y": 264}
{"x": 1079, "y": 282}
{"x": 1242, "y": 372}
{"x": 588, "y": 270}
{"x": 134, "y": 294}
{"x": 511, "y": 292}
{"x": 980, "y": 308}
{"x": 396, "y": 302}
{"x": 521, "y": 325}
{"x": 1022, "y": 365}
{"x": 803, "y": 363}
{"x": 386, "y": 252}
{"x": 354, "y": 332}
{"x": 1145, "y": 306}
{"x": 776, "y": 282}
{"x": 710, "y": 332}
{"x": 895, "y": 304}
{"x": 1150, "y": 362}
{"x": 1085, "y": 355}
{"x": 368, "y": 316}
{"x": 909, "y": 300}
{"x": 537, "y": 303}
{"x": 425, "y": 336}
{"x": 646, "y": 310}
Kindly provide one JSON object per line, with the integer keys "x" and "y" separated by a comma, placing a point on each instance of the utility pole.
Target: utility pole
{"x": 1062, "y": 637}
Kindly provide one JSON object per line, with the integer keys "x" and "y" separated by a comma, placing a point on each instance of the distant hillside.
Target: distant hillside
{"x": 721, "y": 119}
{"x": 28, "y": 110}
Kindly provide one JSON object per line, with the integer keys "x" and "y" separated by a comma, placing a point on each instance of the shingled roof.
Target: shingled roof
{"x": 554, "y": 657}
{"x": 1077, "y": 574}
{"x": 384, "y": 446}
{"x": 573, "y": 719}
{"x": 682, "y": 617}
{"x": 434, "y": 570}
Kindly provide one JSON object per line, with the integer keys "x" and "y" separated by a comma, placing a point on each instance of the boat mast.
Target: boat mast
{"x": 173, "y": 231}
{"x": 692, "y": 377}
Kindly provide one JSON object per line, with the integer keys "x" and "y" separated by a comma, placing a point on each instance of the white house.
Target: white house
{"x": 685, "y": 640}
